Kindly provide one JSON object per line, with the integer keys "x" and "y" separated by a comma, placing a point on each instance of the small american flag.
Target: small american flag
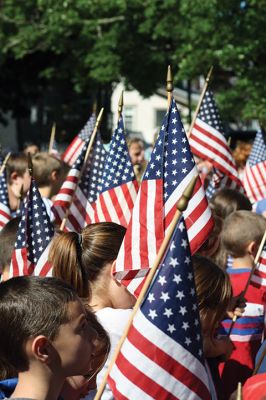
{"x": 119, "y": 184}
{"x": 259, "y": 275}
{"x": 34, "y": 234}
{"x": 207, "y": 139}
{"x": 5, "y": 213}
{"x": 73, "y": 150}
{"x": 84, "y": 189}
{"x": 254, "y": 176}
{"x": 168, "y": 173}
{"x": 219, "y": 181}
{"x": 162, "y": 356}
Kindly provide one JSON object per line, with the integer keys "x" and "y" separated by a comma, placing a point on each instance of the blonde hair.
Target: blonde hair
{"x": 240, "y": 229}
{"x": 43, "y": 165}
{"x": 214, "y": 290}
{"x": 80, "y": 258}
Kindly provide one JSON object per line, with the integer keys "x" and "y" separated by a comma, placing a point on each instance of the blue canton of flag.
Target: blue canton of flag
{"x": 119, "y": 186}
{"x": 162, "y": 356}
{"x": 33, "y": 237}
{"x": 209, "y": 112}
{"x": 258, "y": 152}
{"x": 91, "y": 179}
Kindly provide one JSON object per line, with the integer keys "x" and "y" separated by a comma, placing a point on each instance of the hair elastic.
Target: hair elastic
{"x": 80, "y": 238}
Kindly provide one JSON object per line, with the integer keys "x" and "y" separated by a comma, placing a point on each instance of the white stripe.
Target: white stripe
{"x": 156, "y": 373}
{"x": 245, "y": 338}
{"x": 177, "y": 193}
{"x": 253, "y": 310}
{"x": 173, "y": 349}
{"x": 151, "y": 238}
{"x": 258, "y": 279}
{"x": 135, "y": 238}
{"x": 198, "y": 226}
{"x": 110, "y": 207}
{"x": 126, "y": 387}
{"x": 41, "y": 262}
{"x": 122, "y": 203}
{"x": 72, "y": 154}
{"x": 213, "y": 156}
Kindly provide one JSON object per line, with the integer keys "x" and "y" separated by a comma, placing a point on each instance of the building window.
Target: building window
{"x": 159, "y": 116}
{"x": 128, "y": 114}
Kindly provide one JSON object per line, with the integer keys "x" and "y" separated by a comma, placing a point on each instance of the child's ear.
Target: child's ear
{"x": 41, "y": 349}
{"x": 252, "y": 248}
{"x": 54, "y": 176}
{"x": 13, "y": 176}
{"x": 112, "y": 268}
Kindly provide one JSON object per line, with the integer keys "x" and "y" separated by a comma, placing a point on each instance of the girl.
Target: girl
{"x": 85, "y": 261}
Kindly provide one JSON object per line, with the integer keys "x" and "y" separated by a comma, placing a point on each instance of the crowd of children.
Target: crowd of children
{"x": 58, "y": 334}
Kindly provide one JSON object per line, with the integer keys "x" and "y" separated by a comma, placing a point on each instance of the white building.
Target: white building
{"x": 143, "y": 116}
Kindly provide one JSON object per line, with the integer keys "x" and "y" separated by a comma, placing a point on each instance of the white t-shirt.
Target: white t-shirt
{"x": 114, "y": 322}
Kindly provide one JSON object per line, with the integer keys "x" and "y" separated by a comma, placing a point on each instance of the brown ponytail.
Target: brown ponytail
{"x": 65, "y": 256}
{"x": 80, "y": 258}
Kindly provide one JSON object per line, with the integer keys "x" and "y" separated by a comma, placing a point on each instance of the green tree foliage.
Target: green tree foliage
{"x": 87, "y": 44}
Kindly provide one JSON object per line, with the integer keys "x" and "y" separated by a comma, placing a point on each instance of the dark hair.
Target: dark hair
{"x": 8, "y": 238}
{"x": 226, "y": 201}
{"x": 214, "y": 290}
{"x": 30, "y": 306}
{"x": 18, "y": 163}
{"x": 80, "y": 258}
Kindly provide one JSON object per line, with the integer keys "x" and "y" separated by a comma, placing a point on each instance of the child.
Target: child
{"x": 49, "y": 174}
{"x": 18, "y": 178}
{"x": 8, "y": 237}
{"x": 241, "y": 237}
{"x": 85, "y": 260}
{"x": 44, "y": 334}
{"x": 226, "y": 201}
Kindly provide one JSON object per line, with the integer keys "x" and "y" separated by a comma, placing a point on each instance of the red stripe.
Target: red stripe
{"x": 145, "y": 383}
{"x": 256, "y": 184}
{"x": 127, "y": 194}
{"x": 201, "y": 237}
{"x": 46, "y": 269}
{"x": 249, "y": 184}
{"x": 168, "y": 363}
{"x": 215, "y": 152}
{"x": 117, "y": 206}
{"x": 116, "y": 393}
{"x": 15, "y": 263}
{"x": 107, "y": 216}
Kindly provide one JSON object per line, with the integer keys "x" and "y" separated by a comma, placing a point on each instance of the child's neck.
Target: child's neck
{"x": 243, "y": 262}
{"x": 35, "y": 386}
{"x": 46, "y": 191}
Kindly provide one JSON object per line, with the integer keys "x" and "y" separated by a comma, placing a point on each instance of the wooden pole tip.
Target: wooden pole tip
{"x": 169, "y": 80}
{"x": 121, "y": 103}
{"x": 186, "y": 196}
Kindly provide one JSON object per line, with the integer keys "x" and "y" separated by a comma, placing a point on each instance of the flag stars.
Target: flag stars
{"x": 171, "y": 328}
{"x": 185, "y": 326}
{"x": 152, "y": 314}
{"x": 164, "y": 296}
{"x": 188, "y": 341}
{"x": 184, "y": 243}
{"x": 180, "y": 295}
{"x": 168, "y": 312}
{"x": 151, "y": 297}
{"x": 173, "y": 262}
{"x": 162, "y": 280}
{"x": 183, "y": 310}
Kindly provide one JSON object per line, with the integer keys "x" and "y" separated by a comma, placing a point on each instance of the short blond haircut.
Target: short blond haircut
{"x": 240, "y": 229}
{"x": 43, "y": 165}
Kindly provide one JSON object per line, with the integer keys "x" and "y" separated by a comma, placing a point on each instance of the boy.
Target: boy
{"x": 49, "y": 174}
{"x": 241, "y": 237}
{"x": 18, "y": 178}
{"x": 8, "y": 237}
{"x": 45, "y": 334}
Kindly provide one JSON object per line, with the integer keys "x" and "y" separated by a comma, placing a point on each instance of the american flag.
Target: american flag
{"x": 254, "y": 176}
{"x": 84, "y": 189}
{"x": 35, "y": 232}
{"x": 219, "y": 181}
{"x": 119, "y": 185}
{"x": 207, "y": 139}
{"x": 5, "y": 213}
{"x": 73, "y": 150}
{"x": 168, "y": 173}
{"x": 162, "y": 356}
{"x": 259, "y": 275}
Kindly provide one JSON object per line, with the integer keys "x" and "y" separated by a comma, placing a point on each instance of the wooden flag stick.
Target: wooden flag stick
{"x": 120, "y": 105}
{"x": 64, "y": 220}
{"x": 250, "y": 276}
{"x": 3, "y": 166}
{"x": 239, "y": 391}
{"x": 52, "y": 137}
{"x": 181, "y": 206}
{"x": 169, "y": 85}
{"x": 200, "y": 100}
